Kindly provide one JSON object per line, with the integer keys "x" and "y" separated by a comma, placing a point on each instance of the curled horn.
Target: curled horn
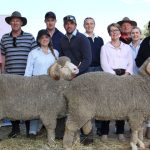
{"x": 54, "y": 71}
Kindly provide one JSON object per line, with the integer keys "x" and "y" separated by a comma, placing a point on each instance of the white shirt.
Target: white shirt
{"x": 38, "y": 62}
{"x": 134, "y": 54}
{"x": 116, "y": 58}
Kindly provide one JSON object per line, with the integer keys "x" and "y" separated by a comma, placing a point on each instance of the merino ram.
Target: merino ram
{"x": 108, "y": 97}
{"x": 26, "y": 98}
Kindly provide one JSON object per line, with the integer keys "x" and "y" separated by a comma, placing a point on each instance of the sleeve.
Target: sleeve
{"x": 142, "y": 53}
{"x": 86, "y": 55}
{"x": 2, "y": 47}
{"x": 30, "y": 65}
{"x": 130, "y": 61}
{"x": 56, "y": 53}
{"x": 33, "y": 43}
{"x": 105, "y": 62}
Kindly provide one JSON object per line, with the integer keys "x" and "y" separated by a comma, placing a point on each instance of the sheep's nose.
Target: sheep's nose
{"x": 76, "y": 70}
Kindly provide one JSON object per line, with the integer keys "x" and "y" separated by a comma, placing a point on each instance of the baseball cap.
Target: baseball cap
{"x": 69, "y": 18}
{"x": 50, "y": 14}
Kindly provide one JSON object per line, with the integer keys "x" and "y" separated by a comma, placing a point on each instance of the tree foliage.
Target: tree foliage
{"x": 145, "y": 32}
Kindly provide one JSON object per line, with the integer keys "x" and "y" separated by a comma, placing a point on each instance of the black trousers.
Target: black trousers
{"x": 119, "y": 127}
{"x": 16, "y": 127}
{"x": 119, "y": 123}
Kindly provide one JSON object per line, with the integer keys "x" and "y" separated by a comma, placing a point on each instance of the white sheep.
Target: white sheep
{"x": 37, "y": 97}
{"x": 108, "y": 97}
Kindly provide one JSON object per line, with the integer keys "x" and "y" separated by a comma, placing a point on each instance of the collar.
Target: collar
{"x": 73, "y": 34}
{"x": 93, "y": 37}
{"x": 40, "y": 49}
{"x": 18, "y": 35}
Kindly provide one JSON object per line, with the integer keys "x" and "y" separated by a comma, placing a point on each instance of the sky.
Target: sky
{"x": 104, "y": 12}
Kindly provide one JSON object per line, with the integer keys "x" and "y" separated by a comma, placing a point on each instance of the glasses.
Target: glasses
{"x": 14, "y": 42}
{"x": 116, "y": 30}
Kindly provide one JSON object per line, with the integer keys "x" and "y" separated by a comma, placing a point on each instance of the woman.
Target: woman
{"x": 116, "y": 58}
{"x": 39, "y": 60}
{"x": 135, "y": 45}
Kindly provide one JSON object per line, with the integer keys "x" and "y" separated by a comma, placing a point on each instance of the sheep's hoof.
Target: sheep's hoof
{"x": 133, "y": 146}
{"x": 66, "y": 147}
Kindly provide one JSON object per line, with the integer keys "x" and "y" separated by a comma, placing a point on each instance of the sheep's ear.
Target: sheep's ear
{"x": 54, "y": 72}
{"x": 148, "y": 68}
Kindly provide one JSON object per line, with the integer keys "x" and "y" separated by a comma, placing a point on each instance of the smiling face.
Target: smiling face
{"x": 89, "y": 25}
{"x": 16, "y": 24}
{"x": 44, "y": 40}
{"x": 114, "y": 33}
{"x": 136, "y": 34}
{"x": 126, "y": 27}
{"x": 70, "y": 26}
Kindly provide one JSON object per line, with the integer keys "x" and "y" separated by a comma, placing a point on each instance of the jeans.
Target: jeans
{"x": 35, "y": 126}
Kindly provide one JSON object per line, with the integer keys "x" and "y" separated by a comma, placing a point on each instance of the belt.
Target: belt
{"x": 119, "y": 71}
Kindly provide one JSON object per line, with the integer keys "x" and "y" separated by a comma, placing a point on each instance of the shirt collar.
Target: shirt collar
{"x": 73, "y": 34}
{"x": 94, "y": 36}
{"x": 19, "y": 35}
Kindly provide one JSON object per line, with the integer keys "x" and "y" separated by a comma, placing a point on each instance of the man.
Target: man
{"x": 126, "y": 27}
{"x": 143, "y": 54}
{"x": 15, "y": 47}
{"x": 56, "y": 35}
{"x": 77, "y": 47}
{"x": 96, "y": 44}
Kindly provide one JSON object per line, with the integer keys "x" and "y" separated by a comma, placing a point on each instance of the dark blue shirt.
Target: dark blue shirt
{"x": 78, "y": 49}
{"x": 56, "y": 39}
{"x": 96, "y": 45}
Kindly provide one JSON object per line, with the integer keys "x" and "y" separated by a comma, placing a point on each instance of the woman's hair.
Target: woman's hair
{"x": 50, "y": 45}
{"x": 138, "y": 29}
{"x": 113, "y": 25}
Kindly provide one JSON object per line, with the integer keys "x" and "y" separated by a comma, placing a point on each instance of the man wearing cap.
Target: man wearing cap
{"x": 77, "y": 47}
{"x": 143, "y": 54}
{"x": 15, "y": 47}
{"x": 56, "y": 35}
{"x": 126, "y": 27}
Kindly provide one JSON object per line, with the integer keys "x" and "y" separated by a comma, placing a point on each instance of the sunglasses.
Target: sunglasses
{"x": 14, "y": 42}
{"x": 69, "y": 18}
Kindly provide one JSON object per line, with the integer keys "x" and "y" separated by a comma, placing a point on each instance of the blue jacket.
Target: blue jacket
{"x": 78, "y": 49}
{"x": 56, "y": 39}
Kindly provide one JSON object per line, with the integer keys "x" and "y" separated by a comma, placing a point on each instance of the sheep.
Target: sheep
{"x": 108, "y": 97}
{"x": 37, "y": 97}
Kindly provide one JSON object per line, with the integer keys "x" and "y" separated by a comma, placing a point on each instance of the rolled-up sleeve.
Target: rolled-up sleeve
{"x": 30, "y": 65}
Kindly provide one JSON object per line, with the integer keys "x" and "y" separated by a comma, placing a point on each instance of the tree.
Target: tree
{"x": 145, "y": 31}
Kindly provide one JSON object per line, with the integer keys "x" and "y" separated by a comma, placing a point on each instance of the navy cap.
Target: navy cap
{"x": 50, "y": 14}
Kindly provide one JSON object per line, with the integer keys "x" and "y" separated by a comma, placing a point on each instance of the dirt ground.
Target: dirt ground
{"x": 23, "y": 143}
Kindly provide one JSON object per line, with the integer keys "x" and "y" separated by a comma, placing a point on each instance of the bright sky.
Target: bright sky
{"x": 103, "y": 11}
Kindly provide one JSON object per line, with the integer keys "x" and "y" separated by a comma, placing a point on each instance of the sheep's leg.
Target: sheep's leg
{"x": 87, "y": 127}
{"x": 70, "y": 130}
{"x": 140, "y": 138}
{"x": 50, "y": 125}
{"x": 136, "y": 120}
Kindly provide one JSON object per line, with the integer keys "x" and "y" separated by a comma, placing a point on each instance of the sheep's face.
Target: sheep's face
{"x": 63, "y": 68}
{"x": 68, "y": 71}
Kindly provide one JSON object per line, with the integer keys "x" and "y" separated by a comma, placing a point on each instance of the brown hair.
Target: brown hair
{"x": 113, "y": 25}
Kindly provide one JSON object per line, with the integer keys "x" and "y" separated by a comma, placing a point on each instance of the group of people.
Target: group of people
{"x": 122, "y": 55}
